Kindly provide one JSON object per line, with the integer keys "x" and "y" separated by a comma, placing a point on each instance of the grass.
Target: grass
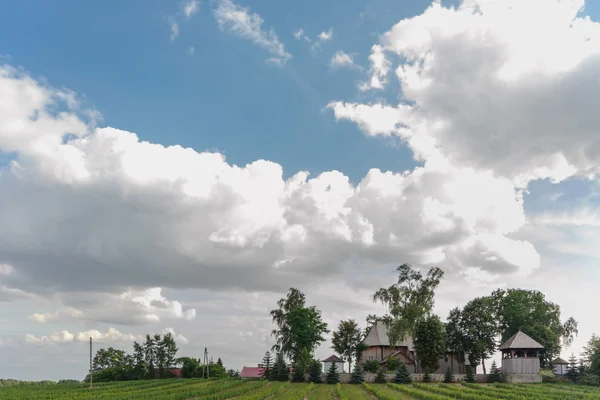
{"x": 186, "y": 389}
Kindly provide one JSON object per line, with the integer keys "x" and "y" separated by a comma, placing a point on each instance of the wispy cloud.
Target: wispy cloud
{"x": 342, "y": 59}
{"x": 238, "y": 21}
{"x": 174, "y": 29}
{"x": 191, "y": 7}
{"x": 326, "y": 36}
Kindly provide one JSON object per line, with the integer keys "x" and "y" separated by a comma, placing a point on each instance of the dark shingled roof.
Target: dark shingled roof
{"x": 560, "y": 361}
{"x": 520, "y": 341}
{"x": 333, "y": 358}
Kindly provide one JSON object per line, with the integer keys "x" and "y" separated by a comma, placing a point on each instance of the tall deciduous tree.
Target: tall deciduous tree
{"x": 479, "y": 326}
{"x": 150, "y": 355}
{"x": 530, "y": 312}
{"x": 345, "y": 340}
{"x": 408, "y": 301}
{"x": 109, "y": 358}
{"x": 299, "y": 328}
{"x": 430, "y": 342}
{"x": 592, "y": 347}
{"x": 455, "y": 336}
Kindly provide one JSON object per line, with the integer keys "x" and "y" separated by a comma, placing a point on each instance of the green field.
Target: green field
{"x": 179, "y": 389}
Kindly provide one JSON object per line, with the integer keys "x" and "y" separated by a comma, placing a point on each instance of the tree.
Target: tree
{"x": 109, "y": 358}
{"x": 280, "y": 370}
{"x": 332, "y": 375}
{"x": 371, "y": 366}
{"x": 232, "y": 373}
{"x": 315, "y": 372}
{"x": 167, "y": 350}
{"x": 357, "y": 376}
{"x": 494, "y": 375}
{"x": 426, "y": 377}
{"x": 470, "y": 378}
{"x": 380, "y": 377}
{"x": 392, "y": 364}
{"x": 573, "y": 369}
{"x": 189, "y": 366}
{"x": 139, "y": 364}
{"x": 267, "y": 366}
{"x": 430, "y": 342}
{"x": 530, "y": 312}
{"x": 455, "y": 336}
{"x": 408, "y": 301}
{"x": 448, "y": 376}
{"x": 297, "y": 327}
{"x": 345, "y": 340}
{"x": 591, "y": 347}
{"x": 479, "y": 328}
{"x": 220, "y": 362}
{"x": 358, "y": 351}
{"x": 298, "y": 372}
{"x": 150, "y": 355}
{"x": 402, "y": 375}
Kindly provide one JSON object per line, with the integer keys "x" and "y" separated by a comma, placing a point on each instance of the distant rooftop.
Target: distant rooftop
{"x": 378, "y": 336}
{"x": 333, "y": 358}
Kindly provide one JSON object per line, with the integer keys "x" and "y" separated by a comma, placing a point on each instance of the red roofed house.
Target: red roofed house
{"x": 251, "y": 372}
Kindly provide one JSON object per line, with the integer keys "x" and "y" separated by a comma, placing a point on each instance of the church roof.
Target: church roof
{"x": 378, "y": 336}
{"x": 520, "y": 341}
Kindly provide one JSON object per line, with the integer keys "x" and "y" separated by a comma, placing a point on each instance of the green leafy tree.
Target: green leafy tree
{"x": 168, "y": 352}
{"x": 189, "y": 366}
{"x": 573, "y": 369}
{"x": 402, "y": 375}
{"x": 470, "y": 378}
{"x": 455, "y": 336}
{"x": 479, "y": 326}
{"x": 150, "y": 356}
{"x": 332, "y": 375}
{"x": 448, "y": 376}
{"x": 357, "y": 376}
{"x": 220, "y": 362}
{"x": 371, "y": 366}
{"x": 594, "y": 368}
{"x": 232, "y": 373}
{"x": 408, "y": 301}
{"x": 380, "y": 377}
{"x": 358, "y": 352}
{"x": 494, "y": 376}
{"x": 315, "y": 372}
{"x": 298, "y": 327}
{"x": 267, "y": 366}
{"x": 345, "y": 340}
{"x": 280, "y": 370}
{"x": 392, "y": 364}
{"x": 592, "y": 347}
{"x": 108, "y": 358}
{"x": 430, "y": 342}
{"x": 139, "y": 363}
{"x": 530, "y": 312}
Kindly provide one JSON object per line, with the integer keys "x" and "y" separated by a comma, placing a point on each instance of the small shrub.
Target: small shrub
{"x": 494, "y": 376}
{"x": 314, "y": 375}
{"x": 589, "y": 379}
{"x": 357, "y": 376}
{"x": 470, "y": 378}
{"x": 380, "y": 378}
{"x": 332, "y": 375}
{"x": 448, "y": 377}
{"x": 371, "y": 366}
{"x": 402, "y": 375}
{"x": 392, "y": 364}
{"x": 426, "y": 377}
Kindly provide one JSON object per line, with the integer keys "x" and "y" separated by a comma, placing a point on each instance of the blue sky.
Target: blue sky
{"x": 153, "y": 233}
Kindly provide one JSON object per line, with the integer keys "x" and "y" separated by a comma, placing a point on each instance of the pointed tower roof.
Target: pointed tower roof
{"x": 520, "y": 341}
{"x": 378, "y": 336}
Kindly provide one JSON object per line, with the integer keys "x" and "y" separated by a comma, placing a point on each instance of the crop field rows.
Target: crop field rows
{"x": 178, "y": 389}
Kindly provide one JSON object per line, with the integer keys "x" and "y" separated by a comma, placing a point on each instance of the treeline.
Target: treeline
{"x": 155, "y": 358}
{"x": 474, "y": 331}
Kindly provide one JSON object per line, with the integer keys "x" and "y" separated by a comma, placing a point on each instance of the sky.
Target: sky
{"x": 177, "y": 166}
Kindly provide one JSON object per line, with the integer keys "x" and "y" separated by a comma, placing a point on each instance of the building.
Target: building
{"x": 379, "y": 349}
{"x": 251, "y": 372}
{"x": 560, "y": 366}
{"x": 521, "y": 359}
{"x": 333, "y": 360}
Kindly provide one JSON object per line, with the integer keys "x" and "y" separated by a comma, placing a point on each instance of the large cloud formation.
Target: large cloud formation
{"x": 88, "y": 208}
{"x": 510, "y": 86}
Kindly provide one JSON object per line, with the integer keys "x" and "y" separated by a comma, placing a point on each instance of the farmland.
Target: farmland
{"x": 178, "y": 389}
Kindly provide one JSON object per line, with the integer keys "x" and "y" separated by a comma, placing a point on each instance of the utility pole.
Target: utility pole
{"x": 205, "y": 364}
{"x": 91, "y": 362}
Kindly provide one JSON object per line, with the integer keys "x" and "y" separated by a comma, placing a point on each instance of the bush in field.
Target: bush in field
{"x": 357, "y": 376}
{"x": 589, "y": 379}
{"x": 371, "y": 366}
{"x": 402, "y": 375}
{"x": 448, "y": 377}
{"x": 392, "y": 364}
{"x": 380, "y": 378}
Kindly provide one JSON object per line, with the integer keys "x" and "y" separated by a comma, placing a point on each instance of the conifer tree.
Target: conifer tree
{"x": 448, "y": 377}
{"x": 332, "y": 375}
{"x": 267, "y": 366}
{"x": 470, "y": 378}
{"x": 380, "y": 377}
{"x": 573, "y": 369}
{"x": 280, "y": 370}
{"x": 314, "y": 374}
{"x": 357, "y": 376}
{"x": 426, "y": 377}
{"x": 494, "y": 375}
{"x": 402, "y": 375}
{"x": 297, "y": 372}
